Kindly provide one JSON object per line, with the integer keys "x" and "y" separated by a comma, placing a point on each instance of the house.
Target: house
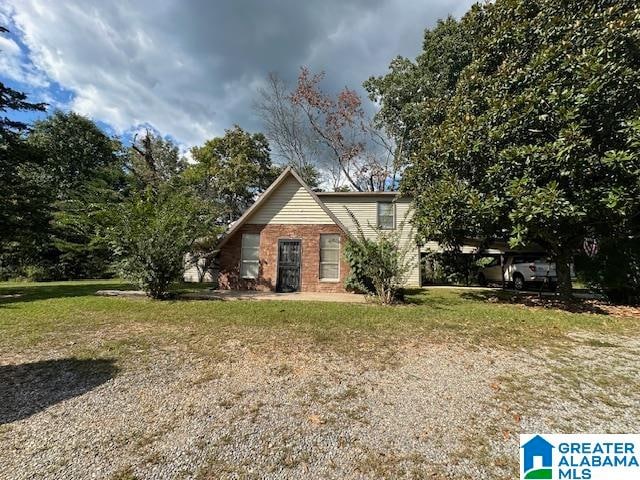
{"x": 292, "y": 238}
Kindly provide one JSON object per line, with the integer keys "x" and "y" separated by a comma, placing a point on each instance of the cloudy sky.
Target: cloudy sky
{"x": 190, "y": 69}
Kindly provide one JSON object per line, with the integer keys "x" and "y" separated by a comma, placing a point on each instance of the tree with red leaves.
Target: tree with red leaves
{"x": 309, "y": 126}
{"x": 342, "y": 125}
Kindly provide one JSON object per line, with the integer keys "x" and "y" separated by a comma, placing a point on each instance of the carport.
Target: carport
{"x": 470, "y": 252}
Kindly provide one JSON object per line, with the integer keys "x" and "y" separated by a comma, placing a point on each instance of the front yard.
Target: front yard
{"x": 440, "y": 388}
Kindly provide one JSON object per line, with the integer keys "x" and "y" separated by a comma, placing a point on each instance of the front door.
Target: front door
{"x": 288, "y": 266}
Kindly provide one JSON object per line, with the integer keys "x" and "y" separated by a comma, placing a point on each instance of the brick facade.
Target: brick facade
{"x": 229, "y": 258}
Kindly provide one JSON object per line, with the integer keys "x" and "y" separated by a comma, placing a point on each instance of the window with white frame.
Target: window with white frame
{"x": 249, "y": 257}
{"x": 329, "y": 257}
{"x": 386, "y": 215}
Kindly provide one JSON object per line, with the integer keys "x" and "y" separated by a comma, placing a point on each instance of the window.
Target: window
{"x": 249, "y": 263}
{"x": 386, "y": 215}
{"x": 329, "y": 257}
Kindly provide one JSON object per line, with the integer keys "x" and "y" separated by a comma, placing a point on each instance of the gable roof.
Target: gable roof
{"x": 267, "y": 193}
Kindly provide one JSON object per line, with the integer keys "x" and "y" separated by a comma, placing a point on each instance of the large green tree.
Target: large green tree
{"x": 24, "y": 205}
{"x": 163, "y": 218}
{"x": 154, "y": 160}
{"x": 82, "y": 171}
{"x": 414, "y": 95}
{"x": 540, "y": 139}
{"x": 23, "y": 199}
{"x": 230, "y": 171}
{"x": 74, "y": 148}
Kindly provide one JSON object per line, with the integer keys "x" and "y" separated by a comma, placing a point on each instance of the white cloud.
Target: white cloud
{"x": 191, "y": 69}
{"x": 13, "y": 66}
{"x": 9, "y": 47}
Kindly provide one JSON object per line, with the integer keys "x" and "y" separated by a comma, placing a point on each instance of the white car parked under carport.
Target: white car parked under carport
{"x": 521, "y": 270}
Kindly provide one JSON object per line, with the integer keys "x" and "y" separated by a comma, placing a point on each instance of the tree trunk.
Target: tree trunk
{"x": 201, "y": 273}
{"x": 563, "y": 272}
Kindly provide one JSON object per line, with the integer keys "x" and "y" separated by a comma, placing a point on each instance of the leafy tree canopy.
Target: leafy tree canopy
{"x": 414, "y": 95}
{"x": 74, "y": 149}
{"x": 23, "y": 198}
{"x": 154, "y": 160}
{"x": 231, "y": 170}
{"x": 539, "y": 140}
{"x": 81, "y": 174}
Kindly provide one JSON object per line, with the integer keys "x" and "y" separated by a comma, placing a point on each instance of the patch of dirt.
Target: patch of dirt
{"x": 415, "y": 410}
{"x": 620, "y": 310}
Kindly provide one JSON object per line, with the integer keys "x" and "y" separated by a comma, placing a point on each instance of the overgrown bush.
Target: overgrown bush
{"x": 615, "y": 270}
{"x": 37, "y": 273}
{"x": 151, "y": 234}
{"x": 452, "y": 267}
{"x": 378, "y": 264}
{"x": 356, "y": 281}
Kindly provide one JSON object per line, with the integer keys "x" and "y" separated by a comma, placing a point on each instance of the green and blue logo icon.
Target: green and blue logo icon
{"x": 537, "y": 459}
{"x": 563, "y": 456}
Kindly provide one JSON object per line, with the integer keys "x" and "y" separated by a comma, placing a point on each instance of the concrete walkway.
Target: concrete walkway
{"x": 251, "y": 295}
{"x": 248, "y": 295}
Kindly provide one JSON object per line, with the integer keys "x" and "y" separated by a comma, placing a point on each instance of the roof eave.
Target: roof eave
{"x": 357, "y": 194}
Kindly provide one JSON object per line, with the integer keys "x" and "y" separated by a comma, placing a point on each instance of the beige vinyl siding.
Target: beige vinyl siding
{"x": 290, "y": 203}
{"x": 432, "y": 246}
{"x": 365, "y": 209}
{"x": 191, "y": 273}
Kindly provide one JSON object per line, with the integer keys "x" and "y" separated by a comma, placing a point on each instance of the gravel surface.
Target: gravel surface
{"x": 431, "y": 411}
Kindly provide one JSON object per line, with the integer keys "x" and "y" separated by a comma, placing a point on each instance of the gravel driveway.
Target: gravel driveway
{"x": 410, "y": 411}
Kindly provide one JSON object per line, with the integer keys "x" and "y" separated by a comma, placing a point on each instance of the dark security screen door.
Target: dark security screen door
{"x": 288, "y": 266}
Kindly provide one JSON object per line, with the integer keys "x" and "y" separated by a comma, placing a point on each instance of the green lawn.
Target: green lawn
{"x": 300, "y": 372}
{"x": 49, "y": 313}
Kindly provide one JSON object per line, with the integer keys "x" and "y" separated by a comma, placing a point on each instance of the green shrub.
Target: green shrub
{"x": 151, "y": 234}
{"x": 615, "y": 270}
{"x": 356, "y": 255}
{"x": 37, "y": 273}
{"x": 378, "y": 265}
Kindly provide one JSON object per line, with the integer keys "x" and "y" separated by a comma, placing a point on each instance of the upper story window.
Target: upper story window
{"x": 329, "y": 257}
{"x": 386, "y": 215}
{"x": 249, "y": 257}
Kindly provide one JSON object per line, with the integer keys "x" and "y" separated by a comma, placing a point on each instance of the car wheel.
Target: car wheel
{"x": 518, "y": 282}
{"x": 482, "y": 280}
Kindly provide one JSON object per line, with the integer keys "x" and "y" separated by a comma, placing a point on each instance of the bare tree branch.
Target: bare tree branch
{"x": 333, "y": 133}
